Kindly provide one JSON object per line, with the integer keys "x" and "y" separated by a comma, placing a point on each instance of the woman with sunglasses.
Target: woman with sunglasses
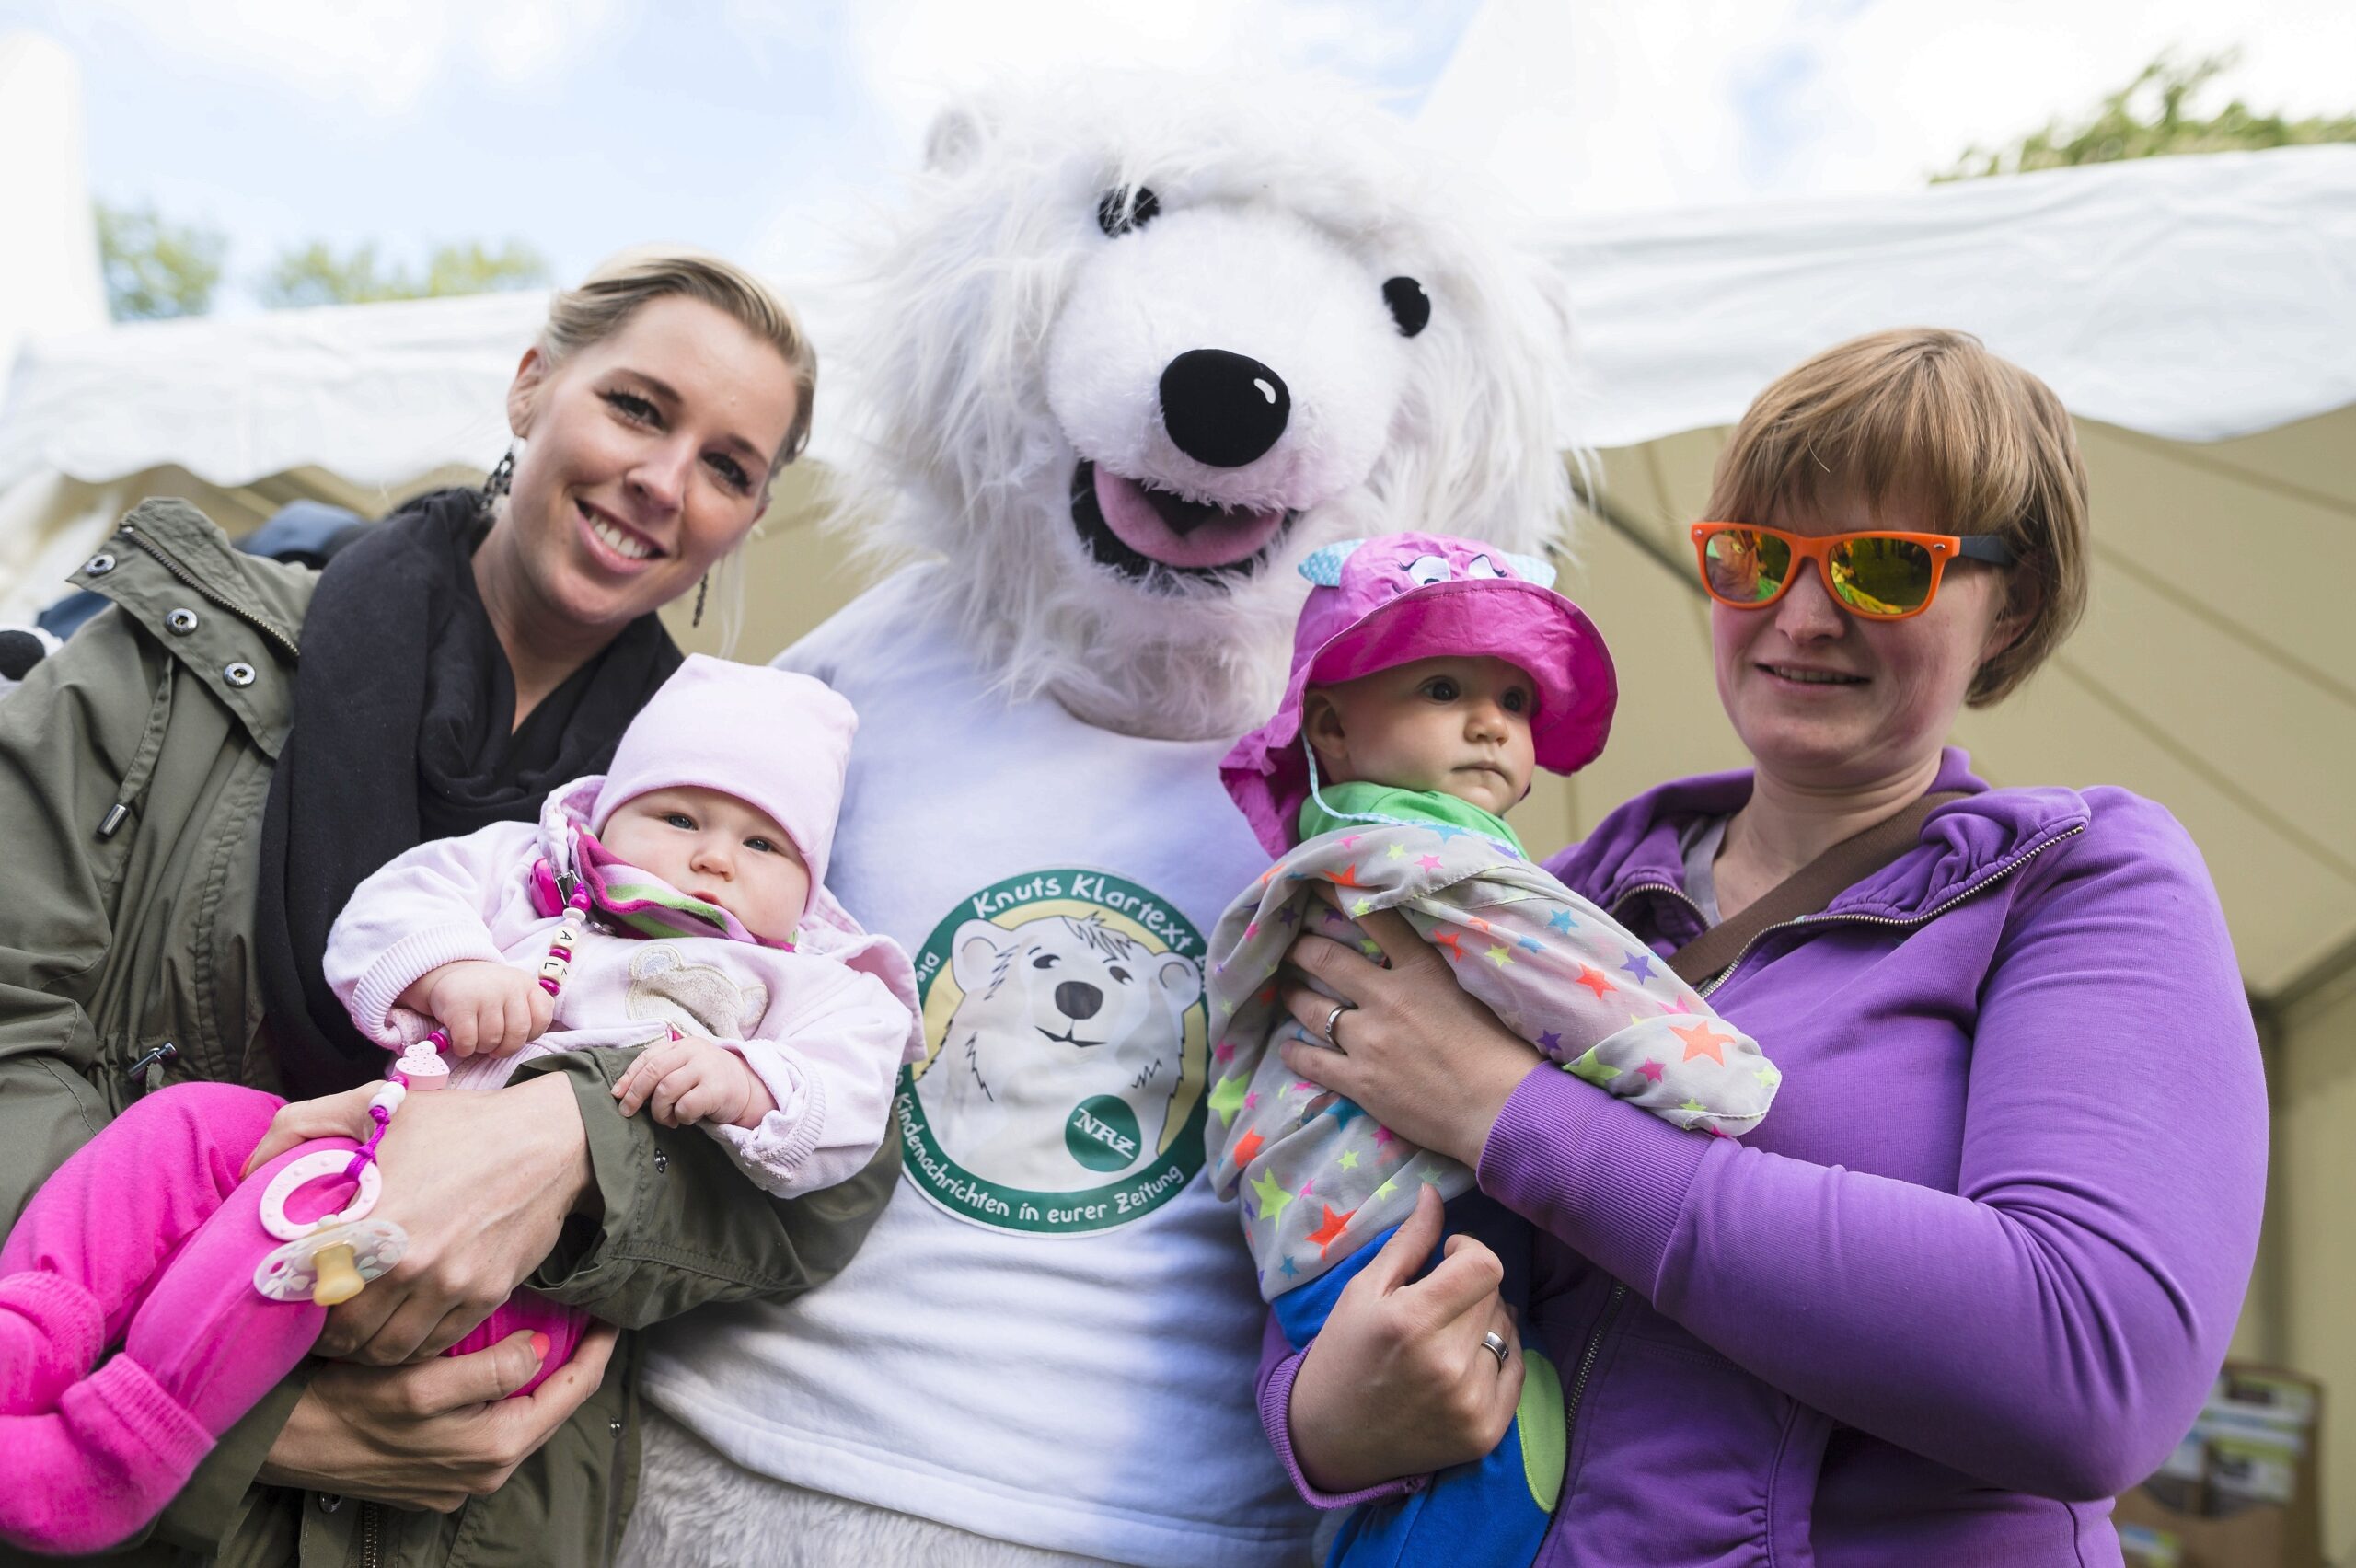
{"x": 1975, "y": 1273}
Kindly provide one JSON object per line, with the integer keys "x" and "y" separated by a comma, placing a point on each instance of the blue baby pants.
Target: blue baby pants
{"x": 1491, "y": 1514}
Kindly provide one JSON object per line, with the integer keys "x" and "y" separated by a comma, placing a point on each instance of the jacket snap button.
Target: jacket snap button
{"x": 614, "y": 1428}
{"x": 662, "y": 1162}
{"x": 182, "y": 621}
{"x": 239, "y": 673}
{"x": 330, "y": 1501}
{"x": 99, "y": 565}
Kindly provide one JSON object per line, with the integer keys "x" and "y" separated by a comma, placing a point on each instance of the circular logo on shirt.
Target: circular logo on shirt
{"x": 1068, "y": 1039}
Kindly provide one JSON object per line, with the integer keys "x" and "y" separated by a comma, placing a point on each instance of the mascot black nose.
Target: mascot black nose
{"x": 1078, "y": 999}
{"x": 1223, "y": 409}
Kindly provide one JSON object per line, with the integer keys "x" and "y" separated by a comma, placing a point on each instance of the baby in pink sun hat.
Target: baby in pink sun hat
{"x": 1430, "y": 676}
{"x": 1383, "y": 604}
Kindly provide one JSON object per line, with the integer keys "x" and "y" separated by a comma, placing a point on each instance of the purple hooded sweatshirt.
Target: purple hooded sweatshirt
{"x": 1974, "y": 1273}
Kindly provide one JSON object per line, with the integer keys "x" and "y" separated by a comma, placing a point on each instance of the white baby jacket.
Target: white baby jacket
{"x": 826, "y": 1026}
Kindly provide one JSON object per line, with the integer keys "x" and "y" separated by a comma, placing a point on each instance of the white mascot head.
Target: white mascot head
{"x": 1138, "y": 346}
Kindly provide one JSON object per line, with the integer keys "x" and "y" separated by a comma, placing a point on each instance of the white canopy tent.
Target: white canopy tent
{"x": 2197, "y": 315}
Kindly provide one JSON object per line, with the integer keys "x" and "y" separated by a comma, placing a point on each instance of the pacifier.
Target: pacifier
{"x": 329, "y": 1260}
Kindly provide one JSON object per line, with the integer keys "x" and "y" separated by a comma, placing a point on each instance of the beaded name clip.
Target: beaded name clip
{"x": 329, "y": 1258}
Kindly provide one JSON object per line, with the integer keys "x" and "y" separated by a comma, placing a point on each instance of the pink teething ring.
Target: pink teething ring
{"x": 312, "y": 1168}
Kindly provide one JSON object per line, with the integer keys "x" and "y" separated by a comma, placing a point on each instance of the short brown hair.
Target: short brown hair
{"x": 1930, "y": 415}
{"x": 613, "y": 292}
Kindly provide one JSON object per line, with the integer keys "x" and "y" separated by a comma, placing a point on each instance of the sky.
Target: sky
{"x": 763, "y": 131}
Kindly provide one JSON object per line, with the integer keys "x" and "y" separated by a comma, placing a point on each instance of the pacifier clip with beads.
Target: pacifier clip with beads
{"x": 330, "y": 1260}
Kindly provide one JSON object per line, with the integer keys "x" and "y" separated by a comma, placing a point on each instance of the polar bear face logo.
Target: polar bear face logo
{"x": 1057, "y": 1012}
{"x": 1141, "y": 340}
{"x": 694, "y": 998}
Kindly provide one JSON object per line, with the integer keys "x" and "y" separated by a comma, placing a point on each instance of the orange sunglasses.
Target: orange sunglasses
{"x": 1880, "y": 575}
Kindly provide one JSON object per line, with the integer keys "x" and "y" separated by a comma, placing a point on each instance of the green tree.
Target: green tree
{"x": 155, "y": 268}
{"x": 316, "y": 274}
{"x": 2148, "y": 118}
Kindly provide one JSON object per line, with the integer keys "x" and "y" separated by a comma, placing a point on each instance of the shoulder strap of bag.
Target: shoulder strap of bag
{"x": 1809, "y": 888}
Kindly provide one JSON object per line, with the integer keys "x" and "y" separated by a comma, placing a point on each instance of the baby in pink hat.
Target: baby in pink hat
{"x": 1429, "y": 675}
{"x": 676, "y": 903}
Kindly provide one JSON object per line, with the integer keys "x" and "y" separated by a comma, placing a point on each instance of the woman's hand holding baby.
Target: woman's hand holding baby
{"x": 690, "y": 1080}
{"x": 1399, "y": 1382}
{"x": 1416, "y": 1054}
{"x": 482, "y": 1182}
{"x": 436, "y": 1434}
{"x": 487, "y": 1010}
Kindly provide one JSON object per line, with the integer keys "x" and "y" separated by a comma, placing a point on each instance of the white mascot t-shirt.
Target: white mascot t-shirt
{"x": 1050, "y": 1335}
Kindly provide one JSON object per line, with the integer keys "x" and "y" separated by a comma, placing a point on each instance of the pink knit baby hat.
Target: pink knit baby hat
{"x": 1389, "y": 601}
{"x": 772, "y": 738}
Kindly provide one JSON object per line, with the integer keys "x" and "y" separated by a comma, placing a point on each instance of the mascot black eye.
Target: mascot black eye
{"x": 1122, "y": 210}
{"x": 1410, "y": 305}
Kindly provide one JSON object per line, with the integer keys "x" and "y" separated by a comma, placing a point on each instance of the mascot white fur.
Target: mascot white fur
{"x": 1136, "y": 348}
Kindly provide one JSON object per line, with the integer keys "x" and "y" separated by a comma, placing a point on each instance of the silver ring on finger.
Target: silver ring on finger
{"x": 1333, "y": 1022}
{"x": 1494, "y": 1343}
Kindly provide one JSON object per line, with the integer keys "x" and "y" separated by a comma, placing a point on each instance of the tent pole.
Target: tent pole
{"x": 1607, "y": 512}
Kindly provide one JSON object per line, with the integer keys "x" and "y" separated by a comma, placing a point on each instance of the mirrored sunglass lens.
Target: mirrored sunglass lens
{"x": 1746, "y": 566}
{"x": 1882, "y": 577}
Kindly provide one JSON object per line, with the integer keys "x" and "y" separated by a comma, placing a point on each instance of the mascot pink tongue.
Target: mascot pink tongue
{"x": 1220, "y": 539}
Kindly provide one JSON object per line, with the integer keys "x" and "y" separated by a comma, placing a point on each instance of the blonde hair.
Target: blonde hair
{"x": 1931, "y": 416}
{"x": 618, "y": 286}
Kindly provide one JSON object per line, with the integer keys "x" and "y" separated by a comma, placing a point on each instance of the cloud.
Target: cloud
{"x": 903, "y": 60}
{"x": 912, "y": 55}
{"x": 1610, "y": 105}
{"x": 378, "y": 55}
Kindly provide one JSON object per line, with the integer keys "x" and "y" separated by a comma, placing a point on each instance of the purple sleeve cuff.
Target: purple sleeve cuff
{"x": 1279, "y": 1365}
{"x": 1607, "y": 1179}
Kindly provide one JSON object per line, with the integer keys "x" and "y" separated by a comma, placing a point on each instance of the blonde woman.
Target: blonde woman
{"x": 195, "y": 783}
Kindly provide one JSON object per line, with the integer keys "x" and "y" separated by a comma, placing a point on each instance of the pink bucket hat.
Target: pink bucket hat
{"x": 1389, "y": 601}
{"x": 775, "y": 739}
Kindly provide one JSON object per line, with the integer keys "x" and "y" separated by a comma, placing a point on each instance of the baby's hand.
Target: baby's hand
{"x": 489, "y": 1010}
{"x": 693, "y": 1079}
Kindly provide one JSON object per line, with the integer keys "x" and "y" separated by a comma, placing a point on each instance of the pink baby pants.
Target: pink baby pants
{"x": 146, "y": 1239}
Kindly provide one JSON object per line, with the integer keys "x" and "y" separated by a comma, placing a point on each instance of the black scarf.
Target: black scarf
{"x": 404, "y": 707}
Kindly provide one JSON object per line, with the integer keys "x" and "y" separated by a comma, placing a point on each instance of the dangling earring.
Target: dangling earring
{"x": 502, "y": 475}
{"x": 701, "y": 589}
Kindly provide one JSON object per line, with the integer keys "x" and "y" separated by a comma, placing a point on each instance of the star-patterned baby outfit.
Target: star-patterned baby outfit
{"x": 1320, "y": 1178}
{"x": 1322, "y": 1183}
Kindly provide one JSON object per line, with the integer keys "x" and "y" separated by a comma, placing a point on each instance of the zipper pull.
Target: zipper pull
{"x": 137, "y": 1071}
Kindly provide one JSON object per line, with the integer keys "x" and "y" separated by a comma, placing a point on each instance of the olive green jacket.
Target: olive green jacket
{"x": 133, "y": 768}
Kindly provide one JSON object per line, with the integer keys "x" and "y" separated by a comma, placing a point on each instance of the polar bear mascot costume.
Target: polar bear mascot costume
{"x": 1135, "y": 348}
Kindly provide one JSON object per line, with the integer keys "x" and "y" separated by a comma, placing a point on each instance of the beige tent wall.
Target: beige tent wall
{"x": 2312, "y": 1228}
{"x": 795, "y": 574}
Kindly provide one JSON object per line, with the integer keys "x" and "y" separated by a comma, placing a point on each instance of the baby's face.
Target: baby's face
{"x": 1460, "y": 727}
{"x": 715, "y": 848}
